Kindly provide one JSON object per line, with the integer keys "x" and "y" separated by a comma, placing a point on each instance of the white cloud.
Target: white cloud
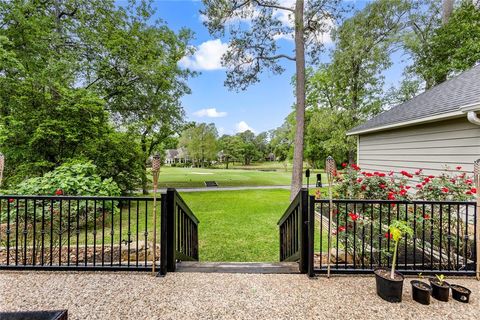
{"x": 242, "y": 126}
{"x": 210, "y": 113}
{"x": 208, "y": 56}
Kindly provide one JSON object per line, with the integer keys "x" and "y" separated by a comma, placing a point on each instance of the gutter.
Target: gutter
{"x": 443, "y": 116}
{"x": 471, "y": 111}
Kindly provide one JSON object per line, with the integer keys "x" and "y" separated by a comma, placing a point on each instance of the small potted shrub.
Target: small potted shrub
{"x": 440, "y": 288}
{"x": 421, "y": 291}
{"x": 460, "y": 293}
{"x": 390, "y": 282}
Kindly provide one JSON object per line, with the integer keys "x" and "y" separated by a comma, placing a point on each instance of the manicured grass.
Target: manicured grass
{"x": 174, "y": 177}
{"x": 239, "y": 225}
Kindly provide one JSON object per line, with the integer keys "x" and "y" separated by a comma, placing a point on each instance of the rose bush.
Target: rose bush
{"x": 361, "y": 229}
{"x": 450, "y": 185}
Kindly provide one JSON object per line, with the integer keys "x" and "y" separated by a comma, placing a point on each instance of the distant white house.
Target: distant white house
{"x": 179, "y": 155}
{"x": 436, "y": 128}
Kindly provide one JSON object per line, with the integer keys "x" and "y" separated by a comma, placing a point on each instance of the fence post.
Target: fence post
{"x": 170, "y": 230}
{"x": 311, "y": 233}
{"x": 163, "y": 236}
{"x": 303, "y": 228}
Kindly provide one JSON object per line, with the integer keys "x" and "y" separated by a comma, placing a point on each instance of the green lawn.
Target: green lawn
{"x": 239, "y": 225}
{"x": 175, "y": 177}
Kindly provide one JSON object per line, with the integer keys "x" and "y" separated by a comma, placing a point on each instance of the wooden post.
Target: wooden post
{"x": 155, "y": 172}
{"x": 330, "y": 168}
{"x": 476, "y": 170}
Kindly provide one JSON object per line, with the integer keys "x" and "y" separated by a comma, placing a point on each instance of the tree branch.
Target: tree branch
{"x": 278, "y": 56}
{"x": 274, "y": 6}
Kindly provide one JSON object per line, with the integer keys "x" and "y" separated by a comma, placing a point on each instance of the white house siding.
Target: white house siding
{"x": 431, "y": 146}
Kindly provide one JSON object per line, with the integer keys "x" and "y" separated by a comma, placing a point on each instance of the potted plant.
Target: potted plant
{"x": 460, "y": 293}
{"x": 440, "y": 288}
{"x": 390, "y": 282}
{"x": 421, "y": 291}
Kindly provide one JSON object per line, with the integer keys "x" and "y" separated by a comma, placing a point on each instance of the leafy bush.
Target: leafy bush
{"x": 353, "y": 183}
{"x": 73, "y": 179}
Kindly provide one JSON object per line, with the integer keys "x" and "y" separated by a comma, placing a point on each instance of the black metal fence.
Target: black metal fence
{"x": 443, "y": 239}
{"x": 85, "y": 233}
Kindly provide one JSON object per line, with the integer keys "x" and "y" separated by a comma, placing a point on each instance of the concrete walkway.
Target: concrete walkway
{"x": 133, "y": 295}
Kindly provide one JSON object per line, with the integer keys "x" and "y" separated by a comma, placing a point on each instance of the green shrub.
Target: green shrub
{"x": 74, "y": 179}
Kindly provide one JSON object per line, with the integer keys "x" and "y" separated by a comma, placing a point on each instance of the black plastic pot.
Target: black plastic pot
{"x": 421, "y": 292}
{"x": 440, "y": 292}
{"x": 389, "y": 289}
{"x": 460, "y": 293}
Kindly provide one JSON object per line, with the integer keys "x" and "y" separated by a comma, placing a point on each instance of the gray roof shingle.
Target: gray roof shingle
{"x": 446, "y": 97}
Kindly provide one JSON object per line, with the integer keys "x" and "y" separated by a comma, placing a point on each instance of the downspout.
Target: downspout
{"x": 472, "y": 116}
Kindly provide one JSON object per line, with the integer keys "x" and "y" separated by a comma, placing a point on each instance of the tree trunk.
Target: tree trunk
{"x": 447, "y": 9}
{"x": 297, "y": 172}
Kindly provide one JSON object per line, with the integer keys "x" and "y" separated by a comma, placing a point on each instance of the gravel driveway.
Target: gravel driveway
{"x": 99, "y": 295}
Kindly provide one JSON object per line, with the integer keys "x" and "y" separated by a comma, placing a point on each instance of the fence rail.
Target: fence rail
{"x": 443, "y": 236}
{"x": 90, "y": 233}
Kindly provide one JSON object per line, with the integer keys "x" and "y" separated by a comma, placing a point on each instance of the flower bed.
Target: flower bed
{"x": 438, "y": 208}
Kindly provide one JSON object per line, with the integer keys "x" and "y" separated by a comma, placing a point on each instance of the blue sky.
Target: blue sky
{"x": 261, "y": 107}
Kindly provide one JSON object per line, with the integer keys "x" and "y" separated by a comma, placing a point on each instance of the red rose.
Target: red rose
{"x": 382, "y": 186}
{"x": 353, "y": 216}
{"x": 469, "y": 193}
{"x": 344, "y": 165}
{"x": 459, "y": 168}
{"x": 473, "y": 190}
{"x": 407, "y": 187}
{"x": 341, "y": 228}
{"x": 388, "y": 235}
{"x": 419, "y": 186}
{"x": 445, "y": 190}
{"x": 391, "y": 196}
{"x": 381, "y": 174}
{"x": 427, "y": 180}
{"x": 468, "y": 181}
{"x": 59, "y": 192}
{"x": 431, "y": 177}
{"x": 418, "y": 172}
{"x": 426, "y": 217}
{"x": 11, "y": 200}
{"x": 359, "y": 180}
{"x": 403, "y": 192}
{"x": 363, "y": 187}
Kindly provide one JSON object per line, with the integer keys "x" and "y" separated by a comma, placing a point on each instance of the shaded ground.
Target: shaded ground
{"x": 217, "y": 296}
